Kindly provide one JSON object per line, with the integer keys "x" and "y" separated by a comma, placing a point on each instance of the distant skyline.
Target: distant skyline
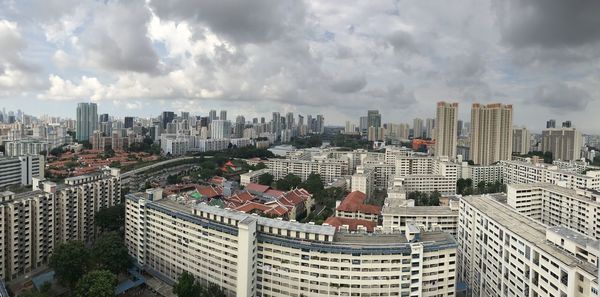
{"x": 335, "y": 58}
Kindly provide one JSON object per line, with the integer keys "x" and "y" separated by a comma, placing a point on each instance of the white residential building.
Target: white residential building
{"x": 519, "y": 172}
{"x": 248, "y": 255}
{"x": 20, "y": 170}
{"x": 503, "y": 253}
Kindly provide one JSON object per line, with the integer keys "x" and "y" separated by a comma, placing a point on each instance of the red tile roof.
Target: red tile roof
{"x": 294, "y": 197}
{"x": 209, "y": 191}
{"x": 354, "y": 202}
{"x": 242, "y": 197}
{"x": 274, "y": 193}
{"x": 257, "y": 188}
{"x": 337, "y": 222}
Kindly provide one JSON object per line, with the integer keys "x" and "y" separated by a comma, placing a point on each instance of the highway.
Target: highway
{"x": 145, "y": 168}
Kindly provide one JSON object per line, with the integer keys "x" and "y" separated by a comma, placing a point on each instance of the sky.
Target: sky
{"x": 338, "y": 58}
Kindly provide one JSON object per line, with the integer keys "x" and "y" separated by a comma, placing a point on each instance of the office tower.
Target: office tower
{"x": 167, "y": 118}
{"x": 418, "y": 128}
{"x": 254, "y": 253}
{"x": 564, "y": 143}
{"x": 363, "y": 125}
{"x": 238, "y": 128}
{"x": 289, "y": 120}
{"x": 185, "y": 115}
{"x": 276, "y": 124}
{"x": 550, "y": 124}
{"x": 104, "y": 118}
{"x": 504, "y": 253}
{"x": 430, "y": 128}
{"x": 87, "y": 120}
{"x": 223, "y": 115}
{"x": 459, "y": 128}
{"x": 320, "y": 125}
{"x": 521, "y": 141}
{"x": 220, "y": 129}
{"x": 445, "y": 129}
{"x": 254, "y": 121}
{"x": 566, "y": 124}
{"x": 373, "y": 118}
{"x": 491, "y": 133}
{"x": 128, "y": 122}
{"x": 212, "y": 115}
{"x": 204, "y": 121}
{"x": 300, "y": 120}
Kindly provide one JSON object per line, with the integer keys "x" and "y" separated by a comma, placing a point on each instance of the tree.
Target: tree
{"x": 69, "y": 261}
{"x": 97, "y": 283}
{"x": 109, "y": 252}
{"x": 313, "y": 184}
{"x": 111, "y": 218}
{"x": 289, "y": 182}
{"x": 548, "y": 158}
{"x": 260, "y": 166}
{"x": 34, "y": 294}
{"x": 434, "y": 198}
{"x": 172, "y": 179}
{"x": 481, "y": 187}
{"x": 186, "y": 286}
{"x": 266, "y": 179}
{"x": 463, "y": 184}
{"x": 213, "y": 290}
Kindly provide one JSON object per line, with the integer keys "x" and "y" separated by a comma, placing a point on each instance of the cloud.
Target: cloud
{"x": 350, "y": 84}
{"x": 549, "y": 23}
{"x": 241, "y": 21}
{"x": 402, "y": 42}
{"x": 561, "y": 97}
{"x": 117, "y": 38}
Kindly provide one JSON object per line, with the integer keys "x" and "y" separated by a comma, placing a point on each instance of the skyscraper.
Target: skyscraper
{"x": 212, "y": 115}
{"x": 289, "y": 120}
{"x": 223, "y": 115}
{"x": 220, "y": 129}
{"x": 320, "y": 128}
{"x": 459, "y": 128}
{"x": 491, "y": 133}
{"x": 363, "y": 125}
{"x": 87, "y": 120}
{"x": 417, "y": 128}
{"x": 566, "y": 124}
{"x": 564, "y": 143}
{"x": 167, "y": 117}
{"x": 276, "y": 124}
{"x": 430, "y": 128}
{"x": 550, "y": 124}
{"x": 445, "y": 129}
{"x": 128, "y": 122}
{"x": 104, "y": 118}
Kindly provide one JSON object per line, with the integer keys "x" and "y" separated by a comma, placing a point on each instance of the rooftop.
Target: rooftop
{"x": 526, "y": 228}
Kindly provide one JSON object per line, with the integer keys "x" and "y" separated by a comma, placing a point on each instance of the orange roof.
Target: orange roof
{"x": 354, "y": 202}
{"x": 274, "y": 193}
{"x": 294, "y": 197}
{"x": 257, "y": 188}
{"x": 337, "y": 222}
{"x": 241, "y": 197}
{"x": 210, "y": 191}
{"x": 253, "y": 206}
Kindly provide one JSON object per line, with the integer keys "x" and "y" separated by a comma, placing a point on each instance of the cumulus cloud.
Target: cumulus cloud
{"x": 241, "y": 21}
{"x": 561, "y": 97}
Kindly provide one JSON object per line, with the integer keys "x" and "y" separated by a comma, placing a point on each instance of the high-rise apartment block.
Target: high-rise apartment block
{"x": 33, "y": 223}
{"x": 20, "y": 170}
{"x": 223, "y": 115}
{"x": 167, "y": 118}
{"x": 220, "y": 129}
{"x": 430, "y": 128}
{"x": 87, "y": 120}
{"x": 564, "y": 143}
{"x": 521, "y": 141}
{"x": 418, "y": 128}
{"x": 445, "y": 129}
{"x": 491, "y": 133}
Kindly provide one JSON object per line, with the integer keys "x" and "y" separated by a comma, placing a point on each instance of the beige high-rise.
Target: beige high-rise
{"x": 564, "y": 143}
{"x": 445, "y": 129}
{"x": 521, "y": 140}
{"x": 491, "y": 133}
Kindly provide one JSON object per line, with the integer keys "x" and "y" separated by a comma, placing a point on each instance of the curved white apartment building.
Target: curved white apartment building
{"x": 248, "y": 255}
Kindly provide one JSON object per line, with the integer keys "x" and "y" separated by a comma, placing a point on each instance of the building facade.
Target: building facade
{"x": 445, "y": 129}
{"x": 491, "y": 133}
{"x": 250, "y": 255}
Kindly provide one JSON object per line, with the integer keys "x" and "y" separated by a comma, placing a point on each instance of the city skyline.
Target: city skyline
{"x": 303, "y": 57}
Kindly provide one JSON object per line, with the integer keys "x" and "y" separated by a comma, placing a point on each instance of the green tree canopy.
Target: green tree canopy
{"x": 187, "y": 286}
{"x": 289, "y": 182}
{"x": 97, "y": 283}
{"x": 111, "y": 218}
{"x": 109, "y": 252}
{"x": 266, "y": 179}
{"x": 313, "y": 184}
{"x": 69, "y": 261}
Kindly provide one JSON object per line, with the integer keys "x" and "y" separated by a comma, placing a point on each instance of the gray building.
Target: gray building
{"x": 87, "y": 120}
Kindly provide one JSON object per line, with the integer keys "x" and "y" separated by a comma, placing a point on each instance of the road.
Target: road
{"x": 142, "y": 169}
